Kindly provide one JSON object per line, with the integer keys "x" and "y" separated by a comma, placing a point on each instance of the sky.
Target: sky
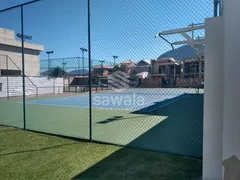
{"x": 125, "y": 28}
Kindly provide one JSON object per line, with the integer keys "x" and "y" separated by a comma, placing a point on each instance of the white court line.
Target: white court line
{"x": 168, "y": 103}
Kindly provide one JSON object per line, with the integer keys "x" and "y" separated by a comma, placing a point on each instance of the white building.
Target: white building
{"x": 11, "y": 67}
{"x": 222, "y": 87}
{"x": 11, "y": 55}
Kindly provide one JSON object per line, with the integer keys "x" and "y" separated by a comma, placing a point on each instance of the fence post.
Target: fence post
{"x": 53, "y": 85}
{"x": 23, "y": 71}
{"x": 89, "y": 73}
{"x": 36, "y": 91}
{"x": 7, "y": 79}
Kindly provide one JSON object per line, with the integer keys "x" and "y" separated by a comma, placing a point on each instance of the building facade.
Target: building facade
{"x": 11, "y": 55}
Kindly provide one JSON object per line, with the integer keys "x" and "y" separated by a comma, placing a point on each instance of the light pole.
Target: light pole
{"x": 115, "y": 57}
{"x": 64, "y": 65}
{"x": 83, "y": 51}
{"x": 23, "y": 38}
{"x": 49, "y": 61}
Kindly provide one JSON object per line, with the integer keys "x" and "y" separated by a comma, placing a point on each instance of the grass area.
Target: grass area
{"x": 176, "y": 128}
{"x": 28, "y": 155}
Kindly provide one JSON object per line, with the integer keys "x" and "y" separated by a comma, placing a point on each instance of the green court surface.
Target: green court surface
{"x": 176, "y": 128}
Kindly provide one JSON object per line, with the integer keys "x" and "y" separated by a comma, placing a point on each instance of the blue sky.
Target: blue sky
{"x": 119, "y": 27}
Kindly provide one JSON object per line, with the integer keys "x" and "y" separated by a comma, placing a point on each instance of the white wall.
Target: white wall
{"x": 213, "y": 100}
{"x": 7, "y": 34}
{"x": 31, "y": 57}
{"x": 222, "y": 101}
{"x": 44, "y": 86}
{"x": 231, "y": 122}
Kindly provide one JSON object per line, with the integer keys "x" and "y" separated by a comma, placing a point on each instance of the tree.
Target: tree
{"x": 57, "y": 72}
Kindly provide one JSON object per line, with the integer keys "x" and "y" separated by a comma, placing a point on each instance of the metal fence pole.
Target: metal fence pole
{"x": 36, "y": 91}
{"x": 23, "y": 72}
{"x": 54, "y": 86}
{"x": 7, "y": 79}
{"x": 216, "y": 3}
{"x": 89, "y": 75}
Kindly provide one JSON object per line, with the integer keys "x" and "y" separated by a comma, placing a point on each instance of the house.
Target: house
{"x": 144, "y": 62}
{"x": 135, "y": 68}
{"x": 78, "y": 81}
{"x": 131, "y": 68}
{"x": 183, "y": 66}
{"x": 142, "y": 75}
{"x": 143, "y": 66}
{"x": 127, "y": 62}
{"x": 102, "y": 70}
{"x": 168, "y": 69}
{"x": 11, "y": 55}
{"x": 127, "y": 66}
{"x": 194, "y": 67}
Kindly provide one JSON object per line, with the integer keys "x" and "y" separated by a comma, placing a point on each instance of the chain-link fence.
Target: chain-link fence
{"x": 146, "y": 91}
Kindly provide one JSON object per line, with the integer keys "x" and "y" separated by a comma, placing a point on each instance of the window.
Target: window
{"x": 162, "y": 70}
{"x": 5, "y": 72}
{"x": 0, "y": 87}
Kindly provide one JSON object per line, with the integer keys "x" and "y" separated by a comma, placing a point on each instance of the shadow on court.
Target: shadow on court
{"x": 133, "y": 164}
{"x": 158, "y": 105}
{"x": 181, "y": 134}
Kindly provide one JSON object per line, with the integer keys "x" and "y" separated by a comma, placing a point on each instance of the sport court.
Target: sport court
{"x": 171, "y": 115}
{"x": 128, "y": 99}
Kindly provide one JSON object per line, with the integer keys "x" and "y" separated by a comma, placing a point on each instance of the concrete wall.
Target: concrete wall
{"x": 154, "y": 67}
{"x": 31, "y": 57}
{"x": 6, "y": 33}
{"x": 231, "y": 118}
{"x": 213, "y": 100}
{"x": 222, "y": 99}
{"x": 7, "y": 37}
{"x": 12, "y": 48}
{"x": 153, "y": 82}
{"x": 12, "y": 86}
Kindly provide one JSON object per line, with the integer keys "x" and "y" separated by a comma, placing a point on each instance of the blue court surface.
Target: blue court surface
{"x": 130, "y": 99}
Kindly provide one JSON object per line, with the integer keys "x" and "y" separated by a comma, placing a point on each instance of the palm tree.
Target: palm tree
{"x": 57, "y": 72}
